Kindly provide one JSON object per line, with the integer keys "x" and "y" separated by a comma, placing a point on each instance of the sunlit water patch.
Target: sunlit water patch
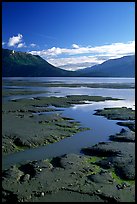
{"x": 101, "y": 127}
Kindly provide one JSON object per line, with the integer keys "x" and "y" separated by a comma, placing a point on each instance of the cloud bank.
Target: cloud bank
{"x": 79, "y": 57}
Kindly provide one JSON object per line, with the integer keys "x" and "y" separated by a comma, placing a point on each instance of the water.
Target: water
{"x": 71, "y": 80}
{"x": 101, "y": 128}
{"x": 127, "y": 94}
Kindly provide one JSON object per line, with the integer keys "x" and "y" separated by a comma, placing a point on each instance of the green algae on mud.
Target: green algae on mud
{"x": 63, "y": 101}
{"x": 123, "y": 113}
{"x": 56, "y": 101}
{"x": 29, "y": 132}
{"x": 7, "y": 92}
{"x": 29, "y": 129}
{"x": 95, "y": 159}
{"x": 120, "y": 180}
{"x": 119, "y": 156}
{"x": 69, "y": 174}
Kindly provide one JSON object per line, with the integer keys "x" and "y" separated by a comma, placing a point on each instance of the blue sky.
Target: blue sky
{"x": 70, "y": 35}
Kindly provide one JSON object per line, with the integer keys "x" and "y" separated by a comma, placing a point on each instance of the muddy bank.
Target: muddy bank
{"x": 120, "y": 156}
{"x": 123, "y": 113}
{"x": 130, "y": 125}
{"x": 7, "y": 92}
{"x": 69, "y": 178}
{"x": 104, "y": 173}
{"x": 26, "y": 124}
{"x": 24, "y": 129}
{"x": 59, "y": 101}
{"x": 123, "y": 136}
{"x": 120, "y": 152}
{"x": 117, "y": 114}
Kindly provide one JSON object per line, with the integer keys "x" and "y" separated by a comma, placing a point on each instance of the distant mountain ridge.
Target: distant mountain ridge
{"x": 22, "y": 64}
{"x": 119, "y": 67}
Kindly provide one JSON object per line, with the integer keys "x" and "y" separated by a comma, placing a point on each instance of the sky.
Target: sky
{"x": 70, "y": 35}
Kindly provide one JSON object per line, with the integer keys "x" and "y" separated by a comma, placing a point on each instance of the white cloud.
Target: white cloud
{"x": 73, "y": 63}
{"x": 75, "y": 46}
{"x": 33, "y": 45}
{"x": 15, "y": 40}
{"x": 20, "y": 45}
{"x": 3, "y": 43}
{"x": 97, "y": 54}
{"x": 112, "y": 49}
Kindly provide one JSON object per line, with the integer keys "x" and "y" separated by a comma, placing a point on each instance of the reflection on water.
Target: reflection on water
{"x": 101, "y": 128}
{"x": 127, "y": 94}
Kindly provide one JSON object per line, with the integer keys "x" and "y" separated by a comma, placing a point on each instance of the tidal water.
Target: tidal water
{"x": 72, "y": 80}
{"x": 100, "y": 127}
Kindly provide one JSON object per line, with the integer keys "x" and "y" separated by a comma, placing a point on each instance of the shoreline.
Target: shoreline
{"x": 103, "y": 173}
{"x": 74, "y": 85}
{"x": 40, "y": 129}
{"x": 91, "y": 177}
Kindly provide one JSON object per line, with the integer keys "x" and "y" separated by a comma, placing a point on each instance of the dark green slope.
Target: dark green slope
{"x": 19, "y": 64}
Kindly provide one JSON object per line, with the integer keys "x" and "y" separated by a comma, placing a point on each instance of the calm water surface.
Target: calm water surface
{"x": 101, "y": 128}
{"x": 72, "y": 80}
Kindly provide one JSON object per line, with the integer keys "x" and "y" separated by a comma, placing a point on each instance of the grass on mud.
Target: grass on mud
{"x": 32, "y": 128}
{"x": 92, "y": 160}
{"x": 123, "y": 113}
{"x": 120, "y": 180}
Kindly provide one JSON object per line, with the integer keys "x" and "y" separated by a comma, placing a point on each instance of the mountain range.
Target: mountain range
{"x": 22, "y": 64}
{"x": 119, "y": 67}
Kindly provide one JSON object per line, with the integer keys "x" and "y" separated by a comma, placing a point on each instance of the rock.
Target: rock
{"x": 98, "y": 191}
{"x": 26, "y": 177}
{"x": 42, "y": 193}
{"x": 123, "y": 136}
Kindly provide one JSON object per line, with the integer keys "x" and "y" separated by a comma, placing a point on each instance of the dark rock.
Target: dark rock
{"x": 26, "y": 177}
{"x": 101, "y": 178}
{"x": 123, "y": 136}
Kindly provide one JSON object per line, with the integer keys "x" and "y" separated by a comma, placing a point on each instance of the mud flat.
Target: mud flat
{"x": 25, "y": 125}
{"x": 74, "y": 85}
{"x": 8, "y": 92}
{"x": 26, "y": 128}
{"x": 130, "y": 125}
{"x": 120, "y": 156}
{"x": 123, "y": 113}
{"x": 104, "y": 172}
